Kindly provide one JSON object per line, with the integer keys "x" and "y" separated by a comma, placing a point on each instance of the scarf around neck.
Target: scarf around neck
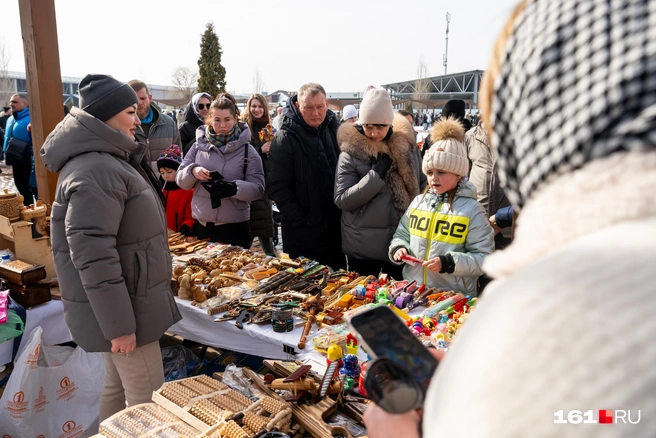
{"x": 220, "y": 140}
{"x": 149, "y": 117}
{"x": 261, "y": 120}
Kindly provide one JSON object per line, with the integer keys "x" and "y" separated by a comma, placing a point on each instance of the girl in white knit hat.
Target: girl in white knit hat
{"x": 445, "y": 228}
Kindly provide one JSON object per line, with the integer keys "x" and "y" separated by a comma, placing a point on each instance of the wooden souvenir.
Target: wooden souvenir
{"x": 17, "y": 237}
{"x": 30, "y": 296}
{"x": 39, "y": 215}
{"x": 22, "y": 273}
{"x": 314, "y": 305}
{"x": 11, "y": 204}
{"x": 310, "y": 416}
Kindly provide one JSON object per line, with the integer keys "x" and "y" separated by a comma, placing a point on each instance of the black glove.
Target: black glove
{"x": 448, "y": 264}
{"x": 186, "y": 230}
{"x": 225, "y": 189}
{"x": 382, "y": 164}
{"x": 219, "y": 190}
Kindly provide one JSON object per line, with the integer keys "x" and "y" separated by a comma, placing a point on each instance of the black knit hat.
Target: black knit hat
{"x": 454, "y": 108}
{"x": 103, "y": 97}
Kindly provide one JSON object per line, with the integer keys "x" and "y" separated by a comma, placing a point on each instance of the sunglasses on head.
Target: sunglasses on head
{"x": 202, "y": 106}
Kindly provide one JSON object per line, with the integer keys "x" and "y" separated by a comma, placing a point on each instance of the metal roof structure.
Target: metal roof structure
{"x": 164, "y": 94}
{"x": 439, "y": 89}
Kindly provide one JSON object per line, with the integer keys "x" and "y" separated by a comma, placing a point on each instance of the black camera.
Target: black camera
{"x": 211, "y": 187}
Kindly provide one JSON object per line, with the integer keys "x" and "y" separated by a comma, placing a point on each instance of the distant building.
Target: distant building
{"x": 164, "y": 95}
{"x": 435, "y": 91}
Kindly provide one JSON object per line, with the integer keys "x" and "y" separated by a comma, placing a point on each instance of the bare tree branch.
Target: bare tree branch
{"x": 185, "y": 80}
{"x": 421, "y": 83}
{"x": 258, "y": 81}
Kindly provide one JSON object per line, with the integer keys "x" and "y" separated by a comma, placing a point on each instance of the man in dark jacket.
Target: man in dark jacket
{"x": 453, "y": 108}
{"x": 301, "y": 177}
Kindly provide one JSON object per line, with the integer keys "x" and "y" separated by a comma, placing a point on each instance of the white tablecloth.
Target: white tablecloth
{"x": 50, "y": 316}
{"x": 258, "y": 340}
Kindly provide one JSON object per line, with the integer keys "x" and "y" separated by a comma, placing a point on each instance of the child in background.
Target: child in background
{"x": 445, "y": 227}
{"x": 178, "y": 201}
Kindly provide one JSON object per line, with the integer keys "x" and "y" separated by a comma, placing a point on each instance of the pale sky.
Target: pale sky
{"x": 343, "y": 45}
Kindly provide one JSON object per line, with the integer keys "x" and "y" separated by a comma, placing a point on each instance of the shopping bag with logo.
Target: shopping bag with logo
{"x": 52, "y": 392}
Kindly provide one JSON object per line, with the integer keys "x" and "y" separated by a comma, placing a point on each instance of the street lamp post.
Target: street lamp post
{"x": 446, "y": 54}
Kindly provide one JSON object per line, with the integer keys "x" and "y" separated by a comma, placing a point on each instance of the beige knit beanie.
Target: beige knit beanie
{"x": 376, "y": 107}
{"x": 447, "y": 153}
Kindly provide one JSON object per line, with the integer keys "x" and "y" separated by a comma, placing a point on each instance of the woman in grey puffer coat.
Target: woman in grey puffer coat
{"x": 109, "y": 241}
{"x": 226, "y": 174}
{"x": 378, "y": 175}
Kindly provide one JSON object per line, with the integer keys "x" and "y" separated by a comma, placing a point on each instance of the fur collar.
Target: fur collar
{"x": 403, "y": 177}
{"x": 605, "y": 192}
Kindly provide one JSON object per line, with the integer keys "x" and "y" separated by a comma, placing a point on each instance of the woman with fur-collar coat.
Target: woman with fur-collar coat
{"x": 378, "y": 175}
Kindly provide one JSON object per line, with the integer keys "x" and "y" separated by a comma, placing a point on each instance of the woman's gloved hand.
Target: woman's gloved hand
{"x": 225, "y": 189}
{"x": 186, "y": 230}
{"x": 382, "y": 164}
{"x": 219, "y": 190}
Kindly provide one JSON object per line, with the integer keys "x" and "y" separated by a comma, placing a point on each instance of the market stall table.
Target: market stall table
{"x": 50, "y": 316}
{"x": 258, "y": 340}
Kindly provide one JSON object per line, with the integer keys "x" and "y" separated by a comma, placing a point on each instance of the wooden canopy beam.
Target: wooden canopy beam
{"x": 44, "y": 84}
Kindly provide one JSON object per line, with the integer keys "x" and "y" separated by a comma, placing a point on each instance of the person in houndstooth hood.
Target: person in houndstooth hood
{"x": 568, "y": 323}
{"x": 109, "y": 241}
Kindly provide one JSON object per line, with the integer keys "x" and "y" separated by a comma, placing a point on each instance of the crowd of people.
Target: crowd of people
{"x": 356, "y": 192}
{"x": 349, "y": 192}
{"x": 353, "y": 193}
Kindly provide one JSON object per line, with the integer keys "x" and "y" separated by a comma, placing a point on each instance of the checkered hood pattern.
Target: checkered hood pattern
{"x": 577, "y": 82}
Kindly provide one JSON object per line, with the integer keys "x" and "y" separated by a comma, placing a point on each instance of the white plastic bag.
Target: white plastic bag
{"x": 52, "y": 392}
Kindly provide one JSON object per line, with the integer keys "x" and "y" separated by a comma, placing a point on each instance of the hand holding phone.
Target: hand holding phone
{"x": 201, "y": 174}
{"x": 215, "y": 175}
{"x": 405, "y": 367}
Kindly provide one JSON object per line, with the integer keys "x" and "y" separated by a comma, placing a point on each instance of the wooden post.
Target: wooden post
{"x": 44, "y": 84}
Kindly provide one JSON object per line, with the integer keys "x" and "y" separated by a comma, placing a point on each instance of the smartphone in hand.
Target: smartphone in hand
{"x": 384, "y": 336}
{"x": 215, "y": 175}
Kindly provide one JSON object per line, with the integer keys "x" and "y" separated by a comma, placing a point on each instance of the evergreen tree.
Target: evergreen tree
{"x": 212, "y": 73}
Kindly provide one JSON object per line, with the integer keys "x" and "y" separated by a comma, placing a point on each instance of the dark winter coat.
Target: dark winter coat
{"x": 178, "y": 206}
{"x": 188, "y": 129}
{"x": 261, "y": 221}
{"x": 108, "y": 234}
{"x": 371, "y": 207}
{"x": 301, "y": 181}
